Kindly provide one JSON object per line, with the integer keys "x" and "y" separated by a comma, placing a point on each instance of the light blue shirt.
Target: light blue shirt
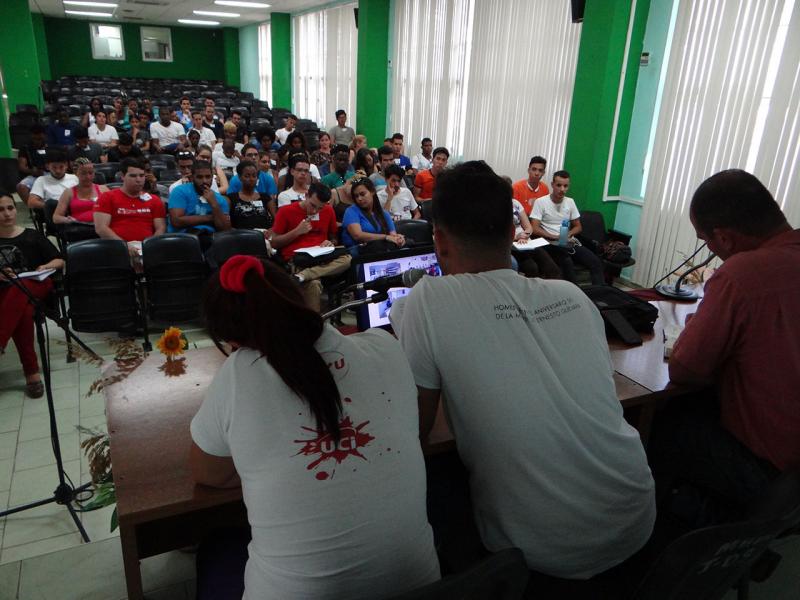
{"x": 355, "y": 215}
{"x": 186, "y": 197}
{"x": 266, "y": 184}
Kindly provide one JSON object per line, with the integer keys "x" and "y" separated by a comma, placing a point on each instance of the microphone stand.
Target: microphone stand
{"x": 374, "y": 299}
{"x": 65, "y": 493}
{"x": 676, "y": 292}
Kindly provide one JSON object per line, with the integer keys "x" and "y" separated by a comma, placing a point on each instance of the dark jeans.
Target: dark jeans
{"x": 564, "y": 258}
{"x": 221, "y": 559}
{"x": 536, "y": 263}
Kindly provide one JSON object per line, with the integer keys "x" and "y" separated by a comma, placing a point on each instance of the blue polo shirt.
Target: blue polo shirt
{"x": 186, "y": 197}
{"x": 355, "y": 215}
{"x": 266, "y": 184}
{"x": 59, "y": 135}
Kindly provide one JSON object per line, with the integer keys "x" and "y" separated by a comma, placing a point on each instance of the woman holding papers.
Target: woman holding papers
{"x": 366, "y": 221}
{"x": 22, "y": 250}
{"x": 321, "y": 432}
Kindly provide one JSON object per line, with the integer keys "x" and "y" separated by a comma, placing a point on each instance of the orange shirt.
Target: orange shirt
{"x": 525, "y": 195}
{"x": 426, "y": 183}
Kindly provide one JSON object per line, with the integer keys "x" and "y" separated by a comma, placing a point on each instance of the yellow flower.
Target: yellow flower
{"x": 171, "y": 343}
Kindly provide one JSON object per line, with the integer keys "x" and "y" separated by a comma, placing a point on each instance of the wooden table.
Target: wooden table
{"x": 161, "y": 509}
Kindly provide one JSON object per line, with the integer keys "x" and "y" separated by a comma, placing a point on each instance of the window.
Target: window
{"x": 265, "y": 62}
{"x": 156, "y": 44}
{"x": 106, "y": 42}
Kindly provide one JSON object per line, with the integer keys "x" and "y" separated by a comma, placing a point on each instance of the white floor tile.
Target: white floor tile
{"x": 10, "y": 418}
{"x": 35, "y": 525}
{"x": 39, "y": 483}
{"x": 92, "y": 406}
{"x": 54, "y": 544}
{"x": 62, "y": 398}
{"x": 8, "y": 445}
{"x": 9, "y": 580}
{"x": 65, "y": 377}
{"x": 38, "y": 426}
{"x": 175, "y": 592}
{"x": 12, "y": 398}
{"x": 98, "y": 524}
{"x": 6, "y": 471}
{"x": 38, "y": 453}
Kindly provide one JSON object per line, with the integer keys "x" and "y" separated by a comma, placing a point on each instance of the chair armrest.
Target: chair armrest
{"x": 619, "y": 236}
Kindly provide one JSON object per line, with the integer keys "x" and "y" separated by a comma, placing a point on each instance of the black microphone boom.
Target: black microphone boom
{"x": 405, "y": 279}
{"x": 683, "y": 294}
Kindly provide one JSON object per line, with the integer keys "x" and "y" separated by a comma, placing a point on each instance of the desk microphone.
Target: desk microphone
{"x": 405, "y": 279}
{"x": 675, "y": 291}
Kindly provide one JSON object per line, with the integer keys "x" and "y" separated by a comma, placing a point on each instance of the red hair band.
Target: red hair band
{"x": 232, "y": 273}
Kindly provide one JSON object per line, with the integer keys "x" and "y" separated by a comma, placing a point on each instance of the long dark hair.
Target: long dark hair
{"x": 377, "y": 209}
{"x": 360, "y": 161}
{"x": 272, "y": 318}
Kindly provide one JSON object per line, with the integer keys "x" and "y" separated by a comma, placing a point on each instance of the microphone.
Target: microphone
{"x": 405, "y": 279}
{"x": 675, "y": 291}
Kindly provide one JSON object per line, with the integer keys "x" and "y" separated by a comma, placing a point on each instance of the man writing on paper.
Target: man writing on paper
{"x": 309, "y": 222}
{"x": 548, "y": 453}
{"x": 744, "y": 340}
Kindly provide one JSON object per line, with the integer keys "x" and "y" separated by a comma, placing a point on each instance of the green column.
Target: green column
{"x": 19, "y": 64}
{"x": 594, "y": 99}
{"x": 230, "y": 40}
{"x": 373, "y": 69}
{"x": 41, "y": 45}
{"x": 281, "y": 36}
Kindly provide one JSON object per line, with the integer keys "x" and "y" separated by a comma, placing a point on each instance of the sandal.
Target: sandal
{"x": 34, "y": 389}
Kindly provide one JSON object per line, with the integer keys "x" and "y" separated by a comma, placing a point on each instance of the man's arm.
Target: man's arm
{"x": 538, "y": 230}
{"x": 102, "y": 226}
{"x": 222, "y": 221}
{"x": 279, "y": 240}
{"x": 35, "y": 201}
{"x": 159, "y": 225}
{"x": 180, "y": 220}
{"x": 213, "y": 471}
{"x": 575, "y": 227}
{"x": 428, "y": 401}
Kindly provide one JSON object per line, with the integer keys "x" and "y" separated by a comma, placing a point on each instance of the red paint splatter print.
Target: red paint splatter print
{"x": 323, "y": 448}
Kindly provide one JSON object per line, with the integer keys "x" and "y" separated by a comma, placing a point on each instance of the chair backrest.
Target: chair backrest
{"x": 594, "y": 226}
{"x": 166, "y": 159}
{"x": 706, "y": 563}
{"x": 175, "y": 272}
{"x": 236, "y": 241}
{"x": 418, "y": 230}
{"x": 427, "y": 210}
{"x": 781, "y": 500}
{"x": 101, "y": 286}
{"x": 501, "y": 576}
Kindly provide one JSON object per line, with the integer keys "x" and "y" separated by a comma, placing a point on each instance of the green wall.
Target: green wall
{"x": 230, "y": 40}
{"x": 19, "y": 63}
{"x": 594, "y": 99}
{"x": 41, "y": 45}
{"x": 374, "y": 29}
{"x": 281, "y": 36}
{"x": 198, "y": 53}
{"x": 248, "y": 60}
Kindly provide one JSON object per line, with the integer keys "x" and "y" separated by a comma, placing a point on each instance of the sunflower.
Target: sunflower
{"x": 172, "y": 342}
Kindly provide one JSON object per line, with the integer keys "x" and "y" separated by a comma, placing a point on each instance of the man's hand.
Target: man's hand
{"x": 303, "y": 227}
{"x": 210, "y": 196}
{"x": 326, "y": 244}
{"x": 6, "y": 274}
{"x": 522, "y": 237}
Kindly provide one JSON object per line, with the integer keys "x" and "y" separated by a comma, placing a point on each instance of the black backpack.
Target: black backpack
{"x": 623, "y": 314}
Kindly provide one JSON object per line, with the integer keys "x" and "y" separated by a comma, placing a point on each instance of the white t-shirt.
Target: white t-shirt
{"x": 207, "y": 136}
{"x": 551, "y": 214}
{"x": 403, "y": 203}
{"x": 237, "y": 145}
{"x": 524, "y": 367}
{"x": 282, "y": 134}
{"x": 48, "y": 187}
{"x": 105, "y": 137}
{"x": 420, "y": 162}
{"x": 312, "y": 168}
{"x": 223, "y": 162}
{"x": 516, "y": 209}
{"x": 289, "y": 196}
{"x": 326, "y": 524}
{"x": 169, "y": 135}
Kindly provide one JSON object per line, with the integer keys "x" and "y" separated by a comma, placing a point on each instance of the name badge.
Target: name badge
{"x": 397, "y": 161}
{"x": 258, "y": 204}
{"x": 67, "y": 133}
{"x": 314, "y": 217}
{"x": 41, "y": 151}
{"x": 145, "y": 197}
{"x": 202, "y": 200}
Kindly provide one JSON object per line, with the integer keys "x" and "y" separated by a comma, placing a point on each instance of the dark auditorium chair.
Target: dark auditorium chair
{"x": 426, "y": 208}
{"x": 419, "y": 231}
{"x": 170, "y": 175}
{"x": 101, "y": 285}
{"x": 174, "y": 274}
{"x": 165, "y": 159}
{"x": 235, "y": 241}
{"x": 501, "y": 576}
{"x": 108, "y": 170}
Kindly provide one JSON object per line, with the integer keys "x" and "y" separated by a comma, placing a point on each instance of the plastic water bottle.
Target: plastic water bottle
{"x": 563, "y": 234}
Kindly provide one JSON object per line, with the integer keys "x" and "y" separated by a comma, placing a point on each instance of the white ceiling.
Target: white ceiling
{"x": 167, "y": 12}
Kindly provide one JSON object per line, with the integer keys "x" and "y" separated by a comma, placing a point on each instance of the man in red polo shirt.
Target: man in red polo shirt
{"x": 309, "y": 222}
{"x": 526, "y": 191}
{"x": 425, "y": 181}
{"x": 744, "y": 340}
{"x": 129, "y": 213}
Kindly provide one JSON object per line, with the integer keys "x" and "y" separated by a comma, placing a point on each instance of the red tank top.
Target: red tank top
{"x": 82, "y": 209}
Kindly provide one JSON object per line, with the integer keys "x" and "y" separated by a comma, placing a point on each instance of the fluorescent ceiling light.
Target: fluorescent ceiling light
{"x": 197, "y": 22}
{"x": 211, "y": 13}
{"x": 90, "y": 4}
{"x": 242, "y": 4}
{"x": 87, "y": 13}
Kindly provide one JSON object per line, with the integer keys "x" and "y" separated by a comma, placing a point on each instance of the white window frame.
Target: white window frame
{"x": 92, "y": 39}
{"x": 170, "y": 53}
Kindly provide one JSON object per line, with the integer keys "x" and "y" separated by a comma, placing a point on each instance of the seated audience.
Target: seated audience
{"x": 166, "y": 134}
{"x": 84, "y": 148}
{"x": 101, "y": 132}
{"x": 512, "y": 439}
{"x": 115, "y": 123}
{"x": 140, "y": 130}
{"x": 77, "y": 204}
{"x": 249, "y": 208}
{"x": 265, "y": 139}
{"x": 299, "y": 178}
{"x": 220, "y": 181}
{"x": 119, "y": 109}
{"x": 365, "y": 162}
{"x": 423, "y": 160}
{"x": 528, "y": 190}
{"x": 385, "y": 158}
{"x": 732, "y": 440}
{"x": 184, "y": 113}
{"x": 61, "y": 132}
{"x": 309, "y": 222}
{"x": 193, "y": 140}
{"x": 241, "y": 127}
{"x": 195, "y": 208}
{"x": 22, "y": 250}
{"x": 228, "y": 156}
{"x": 52, "y": 184}
{"x": 207, "y": 135}
{"x": 185, "y": 162}
{"x": 288, "y": 128}
{"x": 31, "y": 161}
{"x": 548, "y": 214}
{"x": 89, "y": 117}
{"x": 398, "y": 201}
{"x": 228, "y": 134}
{"x": 129, "y": 213}
{"x": 212, "y": 121}
{"x": 341, "y": 134}
{"x": 295, "y": 144}
{"x": 531, "y": 263}
{"x": 265, "y": 183}
{"x": 268, "y": 410}
{"x": 425, "y": 181}
{"x": 367, "y": 221}
{"x": 322, "y": 156}
{"x": 359, "y": 142}
{"x": 341, "y": 170}
{"x": 400, "y": 158}
{"x": 124, "y": 149}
